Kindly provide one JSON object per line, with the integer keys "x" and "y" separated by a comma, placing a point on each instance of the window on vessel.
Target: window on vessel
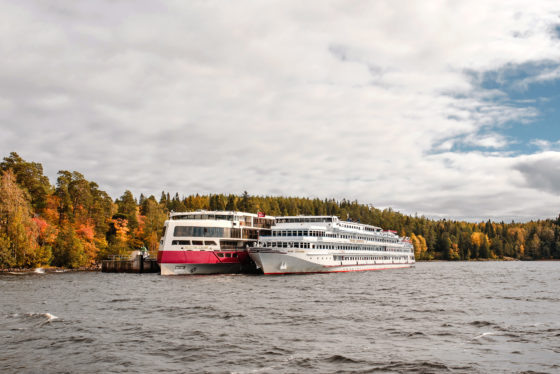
{"x": 220, "y": 255}
{"x": 234, "y": 255}
{"x": 197, "y": 242}
{"x": 210, "y": 242}
{"x": 228, "y": 254}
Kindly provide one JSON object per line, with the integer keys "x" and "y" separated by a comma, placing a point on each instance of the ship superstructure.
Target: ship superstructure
{"x": 322, "y": 244}
{"x": 210, "y": 242}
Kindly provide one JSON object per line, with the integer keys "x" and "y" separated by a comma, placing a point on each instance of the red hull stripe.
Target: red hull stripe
{"x": 336, "y": 271}
{"x": 200, "y": 257}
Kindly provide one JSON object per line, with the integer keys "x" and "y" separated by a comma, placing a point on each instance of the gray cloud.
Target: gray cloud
{"x": 542, "y": 173}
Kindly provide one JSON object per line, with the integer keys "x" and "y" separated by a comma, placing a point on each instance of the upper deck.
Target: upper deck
{"x": 330, "y": 227}
{"x": 230, "y": 218}
{"x": 324, "y": 221}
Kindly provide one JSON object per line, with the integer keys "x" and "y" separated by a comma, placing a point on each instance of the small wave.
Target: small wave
{"x": 416, "y": 333}
{"x": 39, "y": 271}
{"x": 444, "y": 334}
{"x": 412, "y": 367}
{"x": 259, "y": 370}
{"x": 481, "y": 323}
{"x": 81, "y": 339}
{"x": 45, "y": 317}
{"x": 50, "y": 317}
{"x": 229, "y": 316}
{"x": 483, "y": 335}
{"x": 118, "y": 300}
{"x": 341, "y": 359}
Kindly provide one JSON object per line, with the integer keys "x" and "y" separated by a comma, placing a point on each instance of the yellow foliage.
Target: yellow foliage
{"x": 477, "y": 238}
{"x": 518, "y": 233}
{"x": 419, "y": 244}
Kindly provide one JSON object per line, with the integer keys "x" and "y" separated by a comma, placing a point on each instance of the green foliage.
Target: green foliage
{"x": 69, "y": 250}
{"x": 29, "y": 175}
{"x": 128, "y": 206}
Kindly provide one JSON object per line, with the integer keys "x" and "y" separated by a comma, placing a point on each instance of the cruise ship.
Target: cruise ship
{"x": 325, "y": 244}
{"x": 210, "y": 242}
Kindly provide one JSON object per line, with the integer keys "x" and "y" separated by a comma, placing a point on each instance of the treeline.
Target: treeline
{"x": 75, "y": 224}
{"x": 432, "y": 239}
{"x": 71, "y": 224}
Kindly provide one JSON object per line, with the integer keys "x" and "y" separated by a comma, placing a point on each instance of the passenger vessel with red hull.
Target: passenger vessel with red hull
{"x": 210, "y": 242}
{"x": 324, "y": 244}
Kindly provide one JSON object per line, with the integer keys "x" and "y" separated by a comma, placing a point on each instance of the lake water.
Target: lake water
{"x": 468, "y": 317}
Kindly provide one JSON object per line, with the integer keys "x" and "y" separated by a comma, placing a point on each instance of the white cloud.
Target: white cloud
{"x": 487, "y": 141}
{"x": 545, "y": 145}
{"x": 294, "y": 98}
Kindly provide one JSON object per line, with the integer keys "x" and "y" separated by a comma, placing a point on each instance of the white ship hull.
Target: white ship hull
{"x": 272, "y": 261}
{"x": 200, "y": 269}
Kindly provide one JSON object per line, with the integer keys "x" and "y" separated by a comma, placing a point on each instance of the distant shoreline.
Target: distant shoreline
{"x": 41, "y": 270}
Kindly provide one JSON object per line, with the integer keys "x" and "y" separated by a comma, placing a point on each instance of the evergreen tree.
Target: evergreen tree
{"x": 68, "y": 250}
{"x": 29, "y": 175}
{"x": 128, "y": 207}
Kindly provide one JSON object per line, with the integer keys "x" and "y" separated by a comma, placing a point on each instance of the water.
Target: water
{"x": 436, "y": 318}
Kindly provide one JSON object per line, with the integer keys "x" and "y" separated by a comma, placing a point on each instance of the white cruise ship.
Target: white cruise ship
{"x": 324, "y": 244}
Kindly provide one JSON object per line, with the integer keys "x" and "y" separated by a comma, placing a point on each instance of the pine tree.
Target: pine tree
{"x": 29, "y": 175}
{"x": 128, "y": 207}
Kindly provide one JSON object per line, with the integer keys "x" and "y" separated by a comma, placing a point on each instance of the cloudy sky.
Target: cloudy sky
{"x": 442, "y": 108}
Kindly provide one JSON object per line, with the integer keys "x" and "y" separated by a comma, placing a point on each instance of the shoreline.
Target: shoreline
{"x": 42, "y": 270}
{"x": 97, "y": 268}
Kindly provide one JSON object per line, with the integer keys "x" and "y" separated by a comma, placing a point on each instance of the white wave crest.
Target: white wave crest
{"x": 50, "y": 317}
{"x": 483, "y": 335}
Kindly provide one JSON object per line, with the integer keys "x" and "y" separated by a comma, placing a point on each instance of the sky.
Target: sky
{"x": 448, "y": 109}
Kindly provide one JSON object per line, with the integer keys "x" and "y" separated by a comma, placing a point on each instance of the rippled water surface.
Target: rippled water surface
{"x": 435, "y": 318}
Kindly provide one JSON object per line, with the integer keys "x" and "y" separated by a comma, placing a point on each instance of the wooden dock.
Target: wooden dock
{"x": 125, "y": 265}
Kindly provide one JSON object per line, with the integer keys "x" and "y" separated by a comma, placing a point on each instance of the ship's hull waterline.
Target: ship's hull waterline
{"x": 278, "y": 262}
{"x": 201, "y": 269}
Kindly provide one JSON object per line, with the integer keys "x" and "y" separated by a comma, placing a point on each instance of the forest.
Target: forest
{"x": 75, "y": 224}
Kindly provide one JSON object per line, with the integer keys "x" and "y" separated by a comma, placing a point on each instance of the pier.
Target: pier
{"x": 138, "y": 264}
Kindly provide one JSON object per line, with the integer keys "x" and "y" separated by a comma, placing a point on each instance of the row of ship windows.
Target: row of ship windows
{"x": 328, "y": 235}
{"x": 216, "y": 232}
{"x": 194, "y": 242}
{"x": 364, "y": 258}
{"x": 226, "y": 254}
{"x": 325, "y": 246}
